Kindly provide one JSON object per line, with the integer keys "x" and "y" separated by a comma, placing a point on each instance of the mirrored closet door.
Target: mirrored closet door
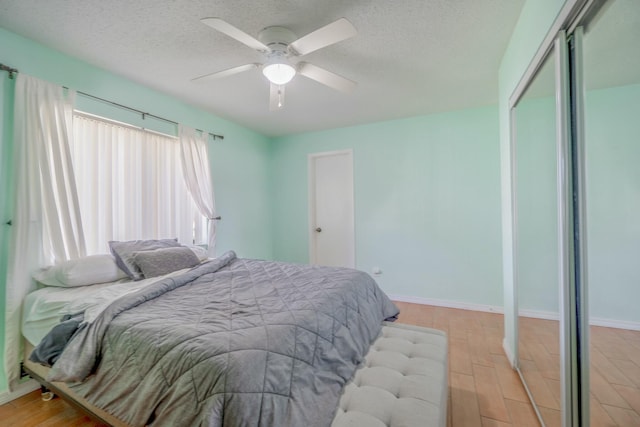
{"x": 536, "y": 241}
{"x": 576, "y": 205}
{"x": 609, "y": 39}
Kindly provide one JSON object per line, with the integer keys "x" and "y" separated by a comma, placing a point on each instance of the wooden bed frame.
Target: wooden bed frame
{"x": 39, "y": 373}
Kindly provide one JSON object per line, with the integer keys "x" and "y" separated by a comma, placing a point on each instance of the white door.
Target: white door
{"x": 331, "y": 209}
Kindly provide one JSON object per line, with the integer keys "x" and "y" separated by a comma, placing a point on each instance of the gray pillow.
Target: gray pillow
{"x": 123, "y": 253}
{"x": 164, "y": 261}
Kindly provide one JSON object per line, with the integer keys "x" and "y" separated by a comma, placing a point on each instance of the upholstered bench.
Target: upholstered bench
{"x": 403, "y": 381}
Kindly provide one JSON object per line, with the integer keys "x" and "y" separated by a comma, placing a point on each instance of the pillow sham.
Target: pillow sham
{"x": 164, "y": 261}
{"x": 84, "y": 271}
{"x": 123, "y": 252}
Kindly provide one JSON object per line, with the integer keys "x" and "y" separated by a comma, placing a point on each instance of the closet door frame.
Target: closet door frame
{"x": 568, "y": 243}
{"x": 580, "y": 223}
{"x": 570, "y": 177}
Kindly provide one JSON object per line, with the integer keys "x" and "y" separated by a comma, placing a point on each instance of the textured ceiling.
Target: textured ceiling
{"x": 410, "y": 57}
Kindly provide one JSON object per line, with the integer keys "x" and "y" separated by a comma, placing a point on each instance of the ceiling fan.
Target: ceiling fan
{"x": 279, "y": 45}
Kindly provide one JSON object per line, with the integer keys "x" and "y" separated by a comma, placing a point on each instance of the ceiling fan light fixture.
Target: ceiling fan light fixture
{"x": 278, "y": 44}
{"x": 279, "y": 72}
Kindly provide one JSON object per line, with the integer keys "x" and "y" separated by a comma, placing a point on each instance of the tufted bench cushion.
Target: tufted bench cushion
{"x": 402, "y": 382}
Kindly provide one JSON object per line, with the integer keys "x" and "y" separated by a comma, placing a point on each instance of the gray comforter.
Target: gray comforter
{"x": 233, "y": 342}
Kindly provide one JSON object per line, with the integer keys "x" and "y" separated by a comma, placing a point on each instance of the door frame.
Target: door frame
{"x": 311, "y": 157}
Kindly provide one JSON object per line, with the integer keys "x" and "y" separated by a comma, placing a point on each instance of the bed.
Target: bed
{"x": 227, "y": 342}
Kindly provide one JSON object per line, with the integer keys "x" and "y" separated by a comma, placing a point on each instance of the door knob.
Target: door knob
{"x": 318, "y": 229}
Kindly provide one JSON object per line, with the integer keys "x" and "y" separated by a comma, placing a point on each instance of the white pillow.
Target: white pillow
{"x": 81, "y": 272}
{"x": 200, "y": 252}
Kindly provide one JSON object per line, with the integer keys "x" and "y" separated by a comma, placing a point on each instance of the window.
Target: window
{"x": 130, "y": 185}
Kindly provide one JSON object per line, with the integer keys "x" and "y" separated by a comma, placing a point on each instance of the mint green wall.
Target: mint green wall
{"x": 240, "y": 163}
{"x": 613, "y": 202}
{"x": 535, "y": 20}
{"x": 427, "y": 202}
{"x": 536, "y": 250}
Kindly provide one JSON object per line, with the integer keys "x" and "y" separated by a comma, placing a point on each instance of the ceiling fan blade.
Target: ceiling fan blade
{"x": 326, "y": 77}
{"x": 276, "y": 97}
{"x": 228, "y": 72}
{"x": 332, "y": 33}
{"x": 235, "y": 33}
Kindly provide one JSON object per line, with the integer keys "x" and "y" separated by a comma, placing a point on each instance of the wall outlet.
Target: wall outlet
{"x": 376, "y": 271}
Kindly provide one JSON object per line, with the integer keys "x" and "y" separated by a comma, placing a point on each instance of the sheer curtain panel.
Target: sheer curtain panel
{"x": 195, "y": 167}
{"x": 46, "y": 223}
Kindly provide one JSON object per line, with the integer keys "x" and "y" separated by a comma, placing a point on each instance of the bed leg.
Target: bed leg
{"x": 46, "y": 394}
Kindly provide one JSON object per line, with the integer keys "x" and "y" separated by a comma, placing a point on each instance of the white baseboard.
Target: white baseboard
{"x": 538, "y": 314}
{"x": 594, "y": 321}
{"x": 619, "y": 324}
{"x": 22, "y": 389}
{"x": 448, "y": 303}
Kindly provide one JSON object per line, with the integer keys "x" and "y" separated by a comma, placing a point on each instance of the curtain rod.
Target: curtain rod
{"x": 142, "y": 113}
{"x": 13, "y": 71}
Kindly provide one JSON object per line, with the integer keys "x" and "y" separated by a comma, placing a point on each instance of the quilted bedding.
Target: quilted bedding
{"x": 233, "y": 342}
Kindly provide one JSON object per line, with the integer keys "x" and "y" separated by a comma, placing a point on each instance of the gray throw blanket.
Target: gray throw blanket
{"x": 233, "y": 342}
{"x": 49, "y": 349}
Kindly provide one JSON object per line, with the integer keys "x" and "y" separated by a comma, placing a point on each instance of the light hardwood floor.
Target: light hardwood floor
{"x": 614, "y": 372}
{"x": 31, "y": 411}
{"x": 483, "y": 389}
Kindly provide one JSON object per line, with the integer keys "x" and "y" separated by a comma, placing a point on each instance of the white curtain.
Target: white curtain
{"x": 130, "y": 185}
{"x": 195, "y": 167}
{"x": 46, "y": 223}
